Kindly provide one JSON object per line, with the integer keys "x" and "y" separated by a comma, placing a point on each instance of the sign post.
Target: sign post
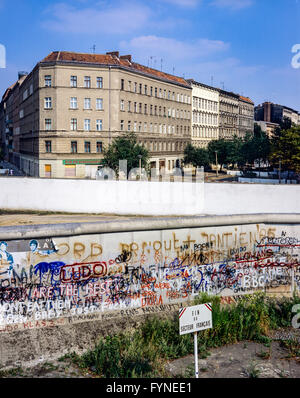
{"x": 191, "y": 320}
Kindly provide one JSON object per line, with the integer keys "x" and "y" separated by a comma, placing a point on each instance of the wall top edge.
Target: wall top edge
{"x": 142, "y": 224}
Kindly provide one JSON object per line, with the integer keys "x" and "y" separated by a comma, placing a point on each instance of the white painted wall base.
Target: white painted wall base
{"x": 146, "y": 198}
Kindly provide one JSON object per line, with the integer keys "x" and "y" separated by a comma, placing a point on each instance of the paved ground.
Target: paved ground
{"x": 242, "y": 360}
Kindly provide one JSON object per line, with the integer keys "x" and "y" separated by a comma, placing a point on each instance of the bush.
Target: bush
{"x": 141, "y": 353}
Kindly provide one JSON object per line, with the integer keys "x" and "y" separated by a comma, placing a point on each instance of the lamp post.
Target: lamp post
{"x": 140, "y": 166}
{"x": 279, "y": 170}
{"x": 216, "y": 152}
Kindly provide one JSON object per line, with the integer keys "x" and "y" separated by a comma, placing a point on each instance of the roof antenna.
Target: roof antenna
{"x": 212, "y": 81}
{"x": 161, "y": 64}
{"x": 93, "y": 48}
{"x": 173, "y": 70}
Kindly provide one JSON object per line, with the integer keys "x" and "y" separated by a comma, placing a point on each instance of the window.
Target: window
{"x": 129, "y": 106}
{"x": 135, "y": 107}
{"x": 140, "y": 108}
{"x": 48, "y": 124}
{"x": 99, "y": 104}
{"x": 87, "y": 103}
{"x": 155, "y": 92}
{"x": 129, "y": 125}
{"x": 99, "y": 82}
{"x": 122, "y": 84}
{"x": 87, "y": 147}
{"x": 21, "y": 113}
{"x": 73, "y": 146}
{"x": 145, "y": 127}
{"x": 140, "y": 88}
{"x": 122, "y": 105}
{"x": 87, "y": 124}
{"x": 122, "y": 125}
{"x": 87, "y": 81}
{"x": 48, "y": 146}
{"x": 99, "y": 125}
{"x": 73, "y": 81}
{"x": 48, "y": 103}
{"x": 48, "y": 81}
{"x": 134, "y": 126}
{"x": 145, "y": 109}
{"x": 129, "y": 85}
{"x": 73, "y": 102}
{"x": 146, "y": 89}
{"x": 73, "y": 124}
{"x": 135, "y": 87}
{"x": 99, "y": 146}
{"x": 151, "y": 91}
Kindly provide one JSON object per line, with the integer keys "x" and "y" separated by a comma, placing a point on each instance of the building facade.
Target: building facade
{"x": 71, "y": 106}
{"x": 246, "y": 116}
{"x": 228, "y": 114}
{"x": 205, "y": 114}
{"x": 274, "y": 113}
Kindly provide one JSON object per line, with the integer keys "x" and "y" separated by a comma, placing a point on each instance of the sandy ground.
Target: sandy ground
{"x": 34, "y": 219}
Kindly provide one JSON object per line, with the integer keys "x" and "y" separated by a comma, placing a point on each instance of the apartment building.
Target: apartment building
{"x": 228, "y": 114}
{"x": 275, "y": 113}
{"x": 246, "y": 116}
{"x": 205, "y": 114}
{"x": 71, "y": 106}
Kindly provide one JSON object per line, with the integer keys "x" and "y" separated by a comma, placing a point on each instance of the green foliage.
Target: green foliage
{"x": 196, "y": 156}
{"x": 125, "y": 147}
{"x": 286, "y": 147}
{"x": 142, "y": 352}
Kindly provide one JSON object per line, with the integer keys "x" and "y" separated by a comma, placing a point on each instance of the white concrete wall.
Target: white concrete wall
{"x": 148, "y": 198}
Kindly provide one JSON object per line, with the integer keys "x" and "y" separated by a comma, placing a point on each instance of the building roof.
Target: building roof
{"x": 246, "y": 99}
{"x": 112, "y": 58}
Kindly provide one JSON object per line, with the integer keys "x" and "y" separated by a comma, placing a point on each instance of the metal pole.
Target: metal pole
{"x": 217, "y": 163}
{"x": 196, "y": 355}
{"x": 279, "y": 170}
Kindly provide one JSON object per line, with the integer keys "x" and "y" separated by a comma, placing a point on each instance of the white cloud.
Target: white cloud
{"x": 172, "y": 49}
{"x": 184, "y": 3}
{"x": 232, "y": 4}
{"x": 98, "y": 19}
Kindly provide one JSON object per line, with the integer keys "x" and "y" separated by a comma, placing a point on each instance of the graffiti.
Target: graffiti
{"x": 83, "y": 278}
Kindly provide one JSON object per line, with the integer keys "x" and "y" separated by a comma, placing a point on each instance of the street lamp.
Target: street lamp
{"x": 216, "y": 152}
{"x": 140, "y": 165}
{"x": 279, "y": 170}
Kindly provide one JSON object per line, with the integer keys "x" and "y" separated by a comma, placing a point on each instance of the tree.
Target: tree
{"x": 286, "y": 147}
{"x": 197, "y": 157}
{"x": 261, "y": 145}
{"x": 222, "y": 147}
{"x": 125, "y": 147}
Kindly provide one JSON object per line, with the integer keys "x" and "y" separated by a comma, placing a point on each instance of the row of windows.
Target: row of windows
{"x": 154, "y": 128}
{"x": 205, "y": 118}
{"x": 87, "y": 81}
{"x": 152, "y": 146}
{"x": 205, "y": 132}
{"x": 74, "y": 146}
{"x": 154, "y": 91}
{"x": 87, "y": 103}
{"x": 74, "y": 124}
{"x": 204, "y": 104}
{"x": 74, "y": 103}
{"x": 154, "y": 110}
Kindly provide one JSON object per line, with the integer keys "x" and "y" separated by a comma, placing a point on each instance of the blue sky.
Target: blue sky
{"x": 241, "y": 45}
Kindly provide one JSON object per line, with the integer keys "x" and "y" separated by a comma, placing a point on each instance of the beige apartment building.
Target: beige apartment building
{"x": 205, "y": 114}
{"x": 71, "y": 106}
{"x": 228, "y": 114}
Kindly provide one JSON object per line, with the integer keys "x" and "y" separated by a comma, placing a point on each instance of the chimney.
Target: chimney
{"x": 128, "y": 57}
{"x": 113, "y": 53}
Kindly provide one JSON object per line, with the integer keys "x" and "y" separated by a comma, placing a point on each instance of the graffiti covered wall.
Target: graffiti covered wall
{"x": 57, "y": 281}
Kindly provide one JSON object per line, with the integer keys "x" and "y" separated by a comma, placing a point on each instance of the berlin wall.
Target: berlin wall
{"x": 61, "y": 291}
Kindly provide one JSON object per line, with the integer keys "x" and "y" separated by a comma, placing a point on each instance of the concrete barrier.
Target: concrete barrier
{"x": 146, "y": 198}
{"x": 62, "y": 286}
